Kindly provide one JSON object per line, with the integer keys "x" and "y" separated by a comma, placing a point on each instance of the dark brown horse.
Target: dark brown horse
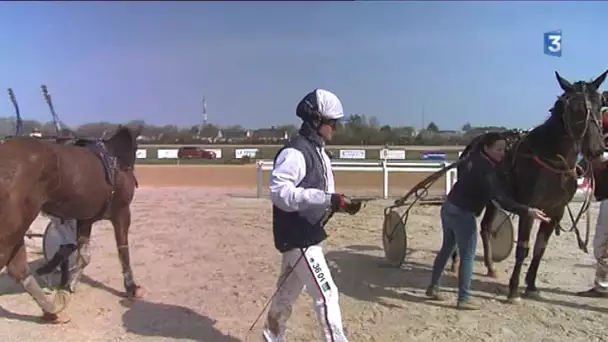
{"x": 87, "y": 181}
{"x": 539, "y": 170}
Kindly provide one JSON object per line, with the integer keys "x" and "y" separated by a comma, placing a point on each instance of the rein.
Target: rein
{"x": 546, "y": 165}
{"x": 571, "y": 172}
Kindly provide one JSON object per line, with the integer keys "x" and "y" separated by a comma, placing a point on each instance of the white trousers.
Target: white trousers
{"x": 600, "y": 248}
{"x": 310, "y": 272}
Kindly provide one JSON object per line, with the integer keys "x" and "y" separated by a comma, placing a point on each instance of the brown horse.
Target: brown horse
{"x": 87, "y": 181}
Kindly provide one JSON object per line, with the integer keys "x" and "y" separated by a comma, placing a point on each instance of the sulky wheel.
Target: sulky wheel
{"x": 502, "y": 236}
{"x": 394, "y": 238}
{"x": 57, "y": 234}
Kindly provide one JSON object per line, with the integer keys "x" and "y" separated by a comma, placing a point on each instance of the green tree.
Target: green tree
{"x": 432, "y": 127}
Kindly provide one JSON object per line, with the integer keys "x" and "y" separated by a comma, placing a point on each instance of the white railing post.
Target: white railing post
{"x": 259, "y": 164}
{"x": 384, "y": 179}
{"x": 448, "y": 181}
{"x": 450, "y": 178}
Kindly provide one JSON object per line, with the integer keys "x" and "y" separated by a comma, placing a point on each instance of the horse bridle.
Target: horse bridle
{"x": 589, "y": 117}
{"x": 568, "y": 124}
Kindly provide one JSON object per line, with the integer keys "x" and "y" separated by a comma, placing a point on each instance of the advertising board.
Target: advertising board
{"x": 352, "y": 154}
{"x": 217, "y": 151}
{"x": 141, "y": 154}
{"x": 392, "y": 154}
{"x": 434, "y": 156}
{"x": 167, "y": 154}
{"x": 245, "y": 152}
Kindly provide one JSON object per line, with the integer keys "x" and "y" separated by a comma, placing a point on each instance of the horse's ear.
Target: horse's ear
{"x": 599, "y": 80}
{"x": 563, "y": 83}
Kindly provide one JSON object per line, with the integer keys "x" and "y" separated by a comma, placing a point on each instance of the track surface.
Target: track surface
{"x": 201, "y": 245}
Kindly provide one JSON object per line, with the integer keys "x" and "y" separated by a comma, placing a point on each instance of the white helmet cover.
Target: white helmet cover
{"x": 321, "y": 102}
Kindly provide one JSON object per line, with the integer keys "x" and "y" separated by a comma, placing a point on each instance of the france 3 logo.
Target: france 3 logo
{"x": 553, "y": 43}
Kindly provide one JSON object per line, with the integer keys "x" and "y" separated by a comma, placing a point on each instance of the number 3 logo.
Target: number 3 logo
{"x": 555, "y": 44}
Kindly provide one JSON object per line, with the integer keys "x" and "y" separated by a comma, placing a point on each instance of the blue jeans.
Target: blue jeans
{"x": 459, "y": 229}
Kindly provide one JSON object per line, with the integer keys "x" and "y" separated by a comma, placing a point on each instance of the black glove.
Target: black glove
{"x": 341, "y": 204}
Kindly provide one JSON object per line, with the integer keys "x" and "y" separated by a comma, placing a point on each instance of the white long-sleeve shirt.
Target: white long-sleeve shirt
{"x": 288, "y": 172}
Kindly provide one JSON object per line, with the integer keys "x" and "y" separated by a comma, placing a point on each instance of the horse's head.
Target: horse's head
{"x": 578, "y": 108}
{"x": 123, "y": 146}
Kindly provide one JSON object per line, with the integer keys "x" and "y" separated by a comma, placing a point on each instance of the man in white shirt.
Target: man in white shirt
{"x": 302, "y": 191}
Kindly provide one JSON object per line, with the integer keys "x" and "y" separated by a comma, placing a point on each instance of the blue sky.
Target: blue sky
{"x": 480, "y": 62}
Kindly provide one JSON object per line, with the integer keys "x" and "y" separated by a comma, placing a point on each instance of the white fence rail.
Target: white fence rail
{"x": 383, "y": 166}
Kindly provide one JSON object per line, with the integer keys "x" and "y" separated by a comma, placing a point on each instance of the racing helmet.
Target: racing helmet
{"x": 320, "y": 105}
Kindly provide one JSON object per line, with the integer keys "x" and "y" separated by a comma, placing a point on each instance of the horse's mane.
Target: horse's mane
{"x": 123, "y": 145}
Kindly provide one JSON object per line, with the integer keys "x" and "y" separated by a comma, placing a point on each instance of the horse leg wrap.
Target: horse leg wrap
{"x": 83, "y": 259}
{"x": 129, "y": 281}
{"x": 84, "y": 255}
{"x": 31, "y": 286}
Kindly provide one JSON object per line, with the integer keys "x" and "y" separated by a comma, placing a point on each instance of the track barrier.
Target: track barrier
{"x": 387, "y": 166}
{"x": 383, "y": 166}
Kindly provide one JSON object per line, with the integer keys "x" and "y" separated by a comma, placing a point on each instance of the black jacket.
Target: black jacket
{"x": 301, "y": 229}
{"x": 478, "y": 184}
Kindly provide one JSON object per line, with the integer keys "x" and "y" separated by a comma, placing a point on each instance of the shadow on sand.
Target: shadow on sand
{"x": 175, "y": 322}
{"x": 142, "y": 317}
{"x": 369, "y": 278}
{"x": 171, "y": 321}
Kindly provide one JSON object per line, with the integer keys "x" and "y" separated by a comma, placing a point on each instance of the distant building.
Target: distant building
{"x": 233, "y": 135}
{"x": 270, "y": 135}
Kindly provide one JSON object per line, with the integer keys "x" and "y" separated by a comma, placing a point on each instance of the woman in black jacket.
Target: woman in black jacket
{"x": 477, "y": 184}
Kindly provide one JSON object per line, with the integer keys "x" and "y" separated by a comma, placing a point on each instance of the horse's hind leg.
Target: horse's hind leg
{"x": 83, "y": 238}
{"x": 542, "y": 238}
{"x": 121, "y": 222}
{"x": 488, "y": 216}
{"x": 521, "y": 253}
{"x": 19, "y": 270}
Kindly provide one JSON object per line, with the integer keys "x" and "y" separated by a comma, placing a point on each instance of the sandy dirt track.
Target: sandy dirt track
{"x": 201, "y": 245}
{"x": 245, "y": 177}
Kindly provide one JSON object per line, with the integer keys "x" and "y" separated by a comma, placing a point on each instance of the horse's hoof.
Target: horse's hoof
{"x": 72, "y": 287}
{"x": 514, "y": 300}
{"x": 492, "y": 274}
{"x": 61, "y": 300}
{"x": 532, "y": 294}
{"x": 136, "y": 292}
{"x": 58, "y": 318}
